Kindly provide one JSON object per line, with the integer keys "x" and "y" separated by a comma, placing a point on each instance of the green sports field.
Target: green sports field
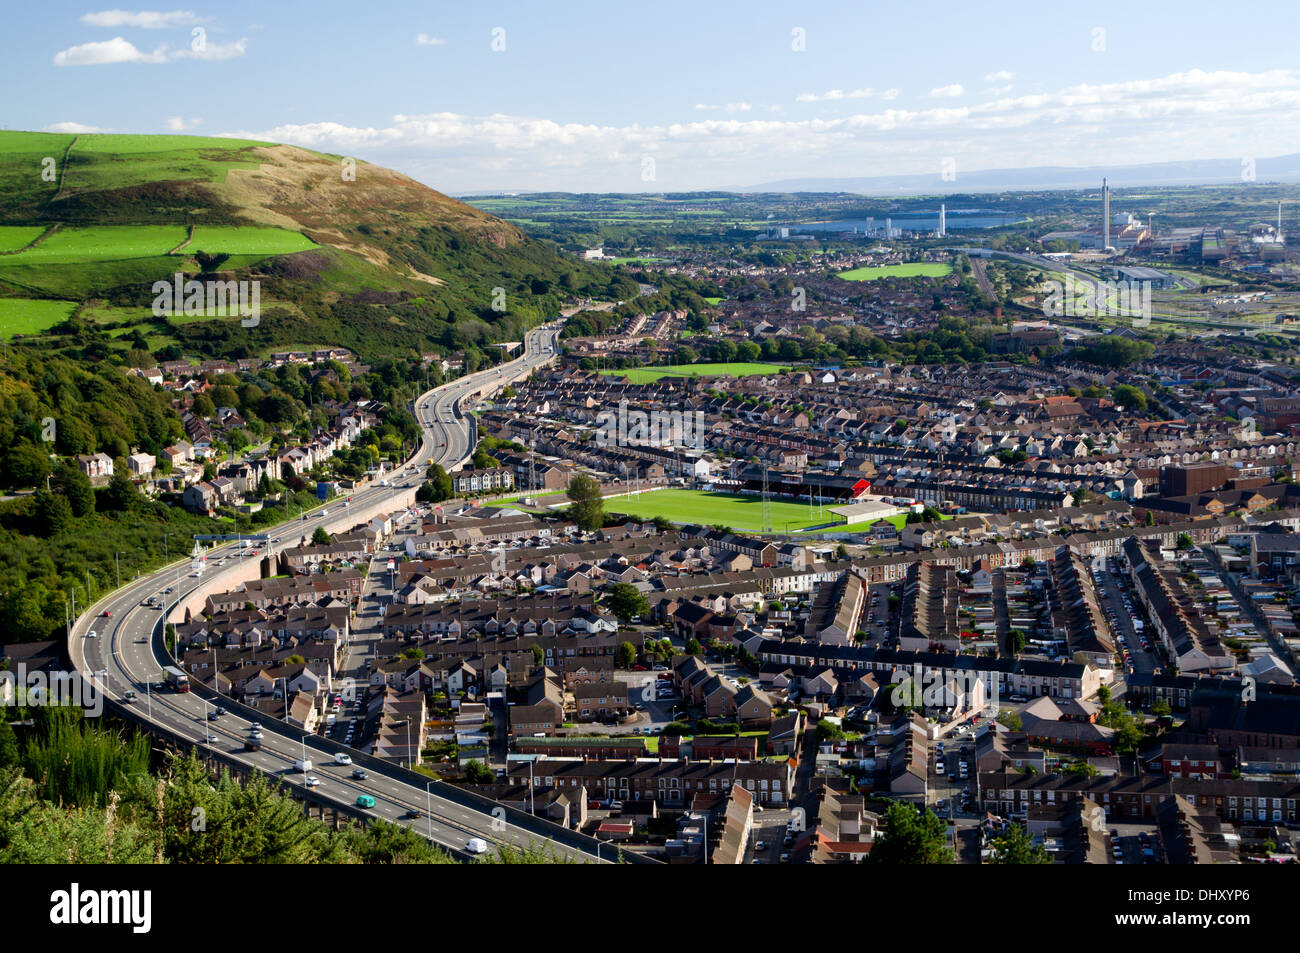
{"x": 912, "y": 269}
{"x": 648, "y": 375}
{"x": 741, "y": 513}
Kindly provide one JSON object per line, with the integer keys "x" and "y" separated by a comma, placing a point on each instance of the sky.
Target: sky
{"x": 570, "y": 95}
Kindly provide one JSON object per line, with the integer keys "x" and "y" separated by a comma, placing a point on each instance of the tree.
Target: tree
{"x": 1015, "y": 846}
{"x": 829, "y": 731}
{"x": 692, "y": 646}
{"x": 120, "y": 495}
{"x": 53, "y": 513}
{"x": 75, "y": 487}
{"x": 539, "y": 656}
{"x": 588, "y": 508}
{"x": 320, "y": 537}
{"x": 1185, "y": 541}
{"x": 626, "y": 656}
{"x": 1129, "y": 397}
{"x": 8, "y": 744}
{"x": 626, "y": 601}
{"x": 25, "y": 465}
{"x": 910, "y": 837}
{"x": 437, "y": 487}
{"x": 1016, "y": 641}
{"x": 476, "y": 772}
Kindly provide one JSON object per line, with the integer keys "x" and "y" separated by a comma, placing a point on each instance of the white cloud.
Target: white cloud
{"x": 949, "y": 91}
{"x": 834, "y": 94}
{"x": 999, "y": 76}
{"x": 425, "y": 39}
{"x": 181, "y": 124}
{"x": 144, "y": 19}
{"x": 116, "y": 50}
{"x": 890, "y": 94}
{"x": 119, "y": 50}
{"x": 1190, "y": 114}
{"x": 77, "y": 128}
{"x": 725, "y": 107}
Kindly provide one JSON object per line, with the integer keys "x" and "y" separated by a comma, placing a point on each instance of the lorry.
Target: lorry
{"x": 302, "y": 765}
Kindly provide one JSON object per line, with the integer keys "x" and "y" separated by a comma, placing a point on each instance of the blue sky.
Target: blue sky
{"x": 672, "y": 95}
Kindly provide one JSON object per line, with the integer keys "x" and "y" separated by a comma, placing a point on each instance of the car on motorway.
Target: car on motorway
{"x": 414, "y": 813}
{"x": 212, "y": 716}
{"x": 476, "y": 845}
{"x": 312, "y": 781}
{"x": 92, "y": 634}
{"x": 213, "y": 739}
{"x": 129, "y": 697}
{"x": 107, "y": 614}
{"x": 365, "y": 800}
{"x": 359, "y": 774}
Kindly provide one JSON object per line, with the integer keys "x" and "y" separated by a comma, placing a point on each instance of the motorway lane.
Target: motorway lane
{"x": 131, "y": 663}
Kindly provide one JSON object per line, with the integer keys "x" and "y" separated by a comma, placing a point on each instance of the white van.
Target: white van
{"x": 342, "y": 758}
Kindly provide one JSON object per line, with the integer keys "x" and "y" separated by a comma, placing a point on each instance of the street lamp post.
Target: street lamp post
{"x": 428, "y": 806}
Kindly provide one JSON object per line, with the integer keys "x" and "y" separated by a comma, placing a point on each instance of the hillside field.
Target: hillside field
{"x": 29, "y": 316}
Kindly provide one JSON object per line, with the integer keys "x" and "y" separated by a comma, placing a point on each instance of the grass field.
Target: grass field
{"x": 648, "y": 375}
{"x": 243, "y": 240}
{"x": 101, "y": 243}
{"x": 912, "y": 269}
{"x": 119, "y": 242}
{"x": 14, "y": 237}
{"x": 26, "y": 316}
{"x": 742, "y": 513}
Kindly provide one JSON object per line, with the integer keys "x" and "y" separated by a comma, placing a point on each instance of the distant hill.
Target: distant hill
{"x": 1191, "y": 172}
{"x": 348, "y": 253}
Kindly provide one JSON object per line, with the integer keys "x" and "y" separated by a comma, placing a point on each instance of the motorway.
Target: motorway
{"x": 126, "y": 651}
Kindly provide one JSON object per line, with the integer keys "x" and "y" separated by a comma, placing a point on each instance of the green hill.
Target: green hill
{"x": 346, "y": 253}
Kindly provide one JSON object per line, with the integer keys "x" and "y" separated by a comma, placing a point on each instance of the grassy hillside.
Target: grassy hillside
{"x": 347, "y": 253}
